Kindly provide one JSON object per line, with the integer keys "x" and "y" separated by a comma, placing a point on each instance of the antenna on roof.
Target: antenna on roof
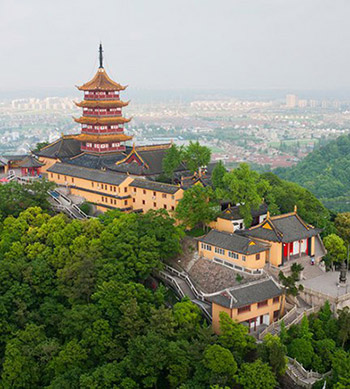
{"x": 101, "y": 56}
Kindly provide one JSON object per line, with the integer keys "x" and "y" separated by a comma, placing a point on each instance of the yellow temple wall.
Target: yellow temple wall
{"x": 147, "y": 199}
{"x": 86, "y": 188}
{"x": 250, "y": 263}
{"x": 255, "y": 311}
{"x": 223, "y": 225}
{"x": 48, "y": 162}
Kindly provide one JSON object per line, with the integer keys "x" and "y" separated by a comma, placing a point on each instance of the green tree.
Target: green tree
{"x": 301, "y": 349}
{"x": 273, "y": 352}
{"x": 256, "y": 375}
{"x": 196, "y": 156}
{"x": 344, "y": 325}
{"x": 336, "y": 249}
{"x": 172, "y": 160}
{"x": 217, "y": 176}
{"x": 342, "y": 224}
{"x": 234, "y": 337}
{"x": 221, "y": 364}
{"x": 245, "y": 187}
{"x": 197, "y": 207}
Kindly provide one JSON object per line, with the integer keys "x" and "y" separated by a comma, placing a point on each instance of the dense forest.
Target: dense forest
{"x": 79, "y": 309}
{"x": 326, "y": 173}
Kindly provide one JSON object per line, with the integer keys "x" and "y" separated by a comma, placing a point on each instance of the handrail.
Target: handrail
{"x": 277, "y": 323}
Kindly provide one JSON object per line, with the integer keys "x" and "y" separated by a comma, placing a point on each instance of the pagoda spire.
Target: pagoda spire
{"x": 101, "y": 56}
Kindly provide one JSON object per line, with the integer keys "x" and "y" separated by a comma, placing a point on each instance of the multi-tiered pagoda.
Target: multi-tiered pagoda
{"x": 102, "y": 121}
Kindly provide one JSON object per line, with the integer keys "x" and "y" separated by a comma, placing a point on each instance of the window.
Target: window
{"x": 110, "y": 188}
{"x": 58, "y": 176}
{"x": 244, "y": 309}
{"x": 262, "y": 304}
{"x": 65, "y": 178}
{"x": 106, "y": 187}
{"x": 219, "y": 251}
{"x": 143, "y": 202}
{"x": 155, "y": 205}
{"x": 276, "y": 300}
{"x": 133, "y": 200}
{"x": 115, "y": 202}
{"x": 276, "y": 314}
{"x": 164, "y": 195}
{"x": 243, "y": 258}
{"x": 103, "y": 199}
{"x": 72, "y": 180}
{"x": 172, "y": 208}
{"x": 206, "y": 246}
{"x": 125, "y": 202}
{"x": 111, "y": 201}
{"x": 257, "y": 257}
{"x": 165, "y": 206}
{"x": 115, "y": 188}
{"x": 51, "y": 175}
{"x": 154, "y": 193}
{"x": 135, "y": 190}
{"x": 125, "y": 189}
{"x": 144, "y": 192}
{"x": 92, "y": 184}
{"x": 233, "y": 255}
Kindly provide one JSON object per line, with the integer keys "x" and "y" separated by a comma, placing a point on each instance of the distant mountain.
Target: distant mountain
{"x": 326, "y": 173}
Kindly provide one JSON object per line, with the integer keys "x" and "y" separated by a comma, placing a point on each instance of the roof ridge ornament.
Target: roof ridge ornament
{"x": 101, "y": 55}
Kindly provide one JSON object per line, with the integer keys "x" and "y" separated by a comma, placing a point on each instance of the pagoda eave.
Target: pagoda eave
{"x": 101, "y": 82}
{"x": 101, "y": 103}
{"x": 102, "y": 138}
{"x": 107, "y": 120}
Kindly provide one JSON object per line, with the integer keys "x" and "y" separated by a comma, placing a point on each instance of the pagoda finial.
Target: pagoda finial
{"x": 101, "y": 56}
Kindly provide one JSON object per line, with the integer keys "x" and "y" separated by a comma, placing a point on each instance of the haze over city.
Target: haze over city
{"x": 157, "y": 44}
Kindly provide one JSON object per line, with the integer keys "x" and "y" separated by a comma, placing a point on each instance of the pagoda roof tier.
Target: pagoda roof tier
{"x": 102, "y": 104}
{"x": 101, "y": 82}
{"x": 99, "y": 120}
{"x": 103, "y": 138}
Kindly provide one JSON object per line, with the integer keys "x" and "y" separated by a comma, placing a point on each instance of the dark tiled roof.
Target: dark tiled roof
{"x": 248, "y": 294}
{"x": 232, "y": 242}
{"x": 233, "y": 212}
{"x": 87, "y": 174}
{"x": 62, "y": 148}
{"x": 94, "y": 161}
{"x": 30, "y": 161}
{"x": 156, "y": 186}
{"x": 284, "y": 228}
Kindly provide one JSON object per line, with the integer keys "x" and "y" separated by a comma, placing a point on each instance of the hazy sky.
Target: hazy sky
{"x": 177, "y": 43}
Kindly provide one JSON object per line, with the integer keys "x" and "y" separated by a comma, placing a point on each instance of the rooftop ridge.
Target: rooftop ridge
{"x": 153, "y": 147}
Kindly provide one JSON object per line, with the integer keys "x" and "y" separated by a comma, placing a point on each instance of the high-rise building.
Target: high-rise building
{"x": 291, "y": 101}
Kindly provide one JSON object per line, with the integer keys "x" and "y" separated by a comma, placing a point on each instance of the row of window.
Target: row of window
{"x": 65, "y": 178}
{"x": 112, "y": 201}
{"x": 144, "y": 191}
{"x": 261, "y": 304}
{"x": 165, "y": 206}
{"x": 231, "y": 254}
{"x": 102, "y": 146}
{"x": 96, "y": 127}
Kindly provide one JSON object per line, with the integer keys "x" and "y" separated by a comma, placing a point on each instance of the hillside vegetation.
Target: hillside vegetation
{"x": 326, "y": 173}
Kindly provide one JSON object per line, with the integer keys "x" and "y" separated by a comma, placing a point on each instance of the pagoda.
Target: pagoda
{"x": 102, "y": 120}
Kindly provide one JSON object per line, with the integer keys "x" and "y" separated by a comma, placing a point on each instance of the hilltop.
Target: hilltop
{"x": 326, "y": 173}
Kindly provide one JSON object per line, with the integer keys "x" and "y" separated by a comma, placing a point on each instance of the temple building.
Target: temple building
{"x": 102, "y": 166}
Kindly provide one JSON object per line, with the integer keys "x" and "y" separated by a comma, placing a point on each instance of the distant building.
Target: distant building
{"x": 291, "y": 101}
{"x": 302, "y": 103}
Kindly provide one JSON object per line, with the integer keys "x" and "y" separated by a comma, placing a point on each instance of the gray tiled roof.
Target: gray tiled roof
{"x": 248, "y": 294}
{"x": 87, "y": 174}
{"x": 288, "y": 228}
{"x": 232, "y": 242}
{"x": 154, "y": 185}
{"x": 63, "y": 147}
{"x": 233, "y": 212}
{"x": 95, "y": 161}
